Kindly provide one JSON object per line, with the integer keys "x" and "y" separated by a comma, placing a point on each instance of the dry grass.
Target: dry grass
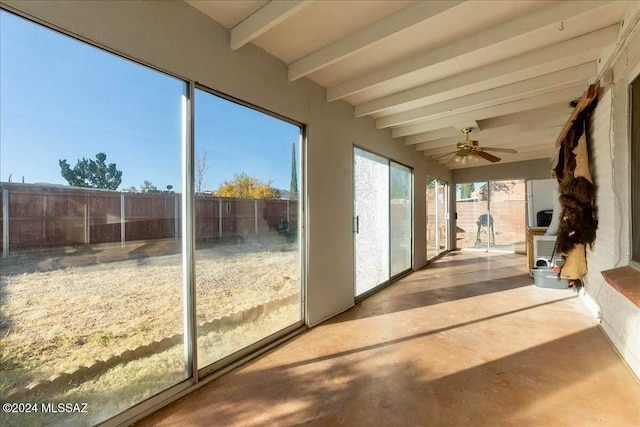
{"x": 68, "y": 309}
{"x": 130, "y": 383}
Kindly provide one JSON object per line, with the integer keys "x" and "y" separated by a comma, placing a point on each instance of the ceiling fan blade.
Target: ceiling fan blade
{"x": 443, "y": 155}
{"x": 487, "y": 156}
{"x": 499, "y": 150}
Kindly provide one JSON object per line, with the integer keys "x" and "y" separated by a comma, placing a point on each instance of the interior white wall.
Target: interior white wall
{"x": 610, "y": 165}
{"x": 176, "y": 38}
{"x": 527, "y": 170}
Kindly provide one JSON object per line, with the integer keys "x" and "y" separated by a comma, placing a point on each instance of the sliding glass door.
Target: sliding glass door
{"x": 151, "y": 231}
{"x": 92, "y": 285}
{"x": 383, "y": 194}
{"x": 437, "y": 195}
{"x": 507, "y": 204}
{"x": 491, "y": 215}
{"x": 400, "y": 217}
{"x": 371, "y": 222}
{"x": 248, "y": 280}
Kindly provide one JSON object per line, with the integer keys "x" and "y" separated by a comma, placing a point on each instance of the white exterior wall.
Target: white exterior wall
{"x": 176, "y": 38}
{"x": 609, "y": 148}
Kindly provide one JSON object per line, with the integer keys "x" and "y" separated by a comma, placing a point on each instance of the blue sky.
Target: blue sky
{"x": 63, "y": 99}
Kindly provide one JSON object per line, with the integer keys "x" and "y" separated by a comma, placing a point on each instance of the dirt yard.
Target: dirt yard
{"x": 65, "y": 309}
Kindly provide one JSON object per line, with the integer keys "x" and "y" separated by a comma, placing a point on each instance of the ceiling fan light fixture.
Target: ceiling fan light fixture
{"x": 471, "y": 149}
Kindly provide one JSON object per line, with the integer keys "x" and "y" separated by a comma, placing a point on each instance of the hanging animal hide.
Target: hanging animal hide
{"x": 578, "y": 221}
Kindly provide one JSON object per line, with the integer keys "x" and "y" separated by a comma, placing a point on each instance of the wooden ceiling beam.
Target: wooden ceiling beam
{"x": 581, "y": 74}
{"x": 532, "y": 119}
{"x": 263, "y": 19}
{"x": 484, "y": 39}
{"x": 514, "y": 158}
{"x": 508, "y": 139}
{"x": 571, "y": 53}
{"x": 360, "y": 40}
{"x": 549, "y": 99}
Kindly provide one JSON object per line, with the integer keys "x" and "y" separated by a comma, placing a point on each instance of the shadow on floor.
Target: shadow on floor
{"x": 460, "y": 258}
{"x": 399, "y": 296}
{"x": 542, "y": 364}
{"x": 371, "y": 387}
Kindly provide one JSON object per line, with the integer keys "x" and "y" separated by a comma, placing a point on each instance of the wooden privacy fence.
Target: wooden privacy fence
{"x": 508, "y": 216}
{"x": 46, "y": 216}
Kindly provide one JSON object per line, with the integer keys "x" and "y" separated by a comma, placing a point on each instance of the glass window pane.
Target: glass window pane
{"x": 474, "y": 225}
{"x": 508, "y": 207}
{"x": 437, "y": 214}
{"x": 443, "y": 215}
{"x": 371, "y": 180}
{"x": 491, "y": 215}
{"x": 92, "y": 286}
{"x": 248, "y": 283}
{"x": 400, "y": 211}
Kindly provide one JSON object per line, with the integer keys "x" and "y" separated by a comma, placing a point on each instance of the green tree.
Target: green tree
{"x": 466, "y": 190}
{"x": 148, "y": 186}
{"x": 502, "y": 186}
{"x": 92, "y": 173}
{"x": 244, "y": 186}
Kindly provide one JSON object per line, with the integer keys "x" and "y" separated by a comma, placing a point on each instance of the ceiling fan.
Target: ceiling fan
{"x": 469, "y": 149}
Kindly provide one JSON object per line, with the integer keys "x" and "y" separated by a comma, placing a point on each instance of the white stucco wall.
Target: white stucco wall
{"x": 527, "y": 170}
{"x": 610, "y": 166}
{"x": 176, "y": 38}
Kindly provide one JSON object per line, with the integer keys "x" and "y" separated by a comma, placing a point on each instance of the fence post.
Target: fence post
{"x": 44, "y": 218}
{"x": 5, "y": 222}
{"x": 87, "y": 223}
{"x": 123, "y": 221}
{"x": 219, "y": 219}
{"x": 176, "y": 222}
{"x": 288, "y": 219}
{"x": 255, "y": 214}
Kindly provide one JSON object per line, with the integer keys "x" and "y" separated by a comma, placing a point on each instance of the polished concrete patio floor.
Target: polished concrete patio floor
{"x": 468, "y": 341}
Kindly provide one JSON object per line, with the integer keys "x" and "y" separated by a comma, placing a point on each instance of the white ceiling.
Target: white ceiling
{"x": 427, "y": 69}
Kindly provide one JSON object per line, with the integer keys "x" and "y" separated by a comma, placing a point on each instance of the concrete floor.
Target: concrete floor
{"x": 467, "y": 341}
